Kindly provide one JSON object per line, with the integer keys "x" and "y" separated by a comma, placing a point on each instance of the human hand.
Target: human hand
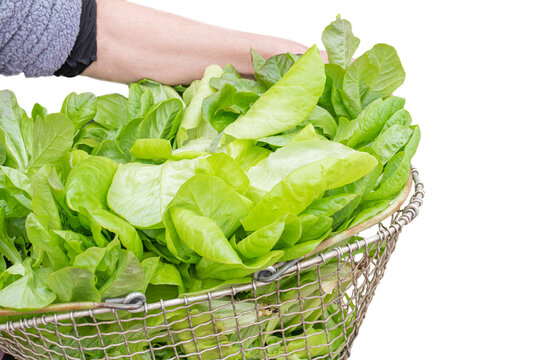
{"x": 176, "y": 52}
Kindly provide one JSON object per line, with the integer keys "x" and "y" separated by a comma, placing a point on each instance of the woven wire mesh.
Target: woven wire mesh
{"x": 313, "y": 311}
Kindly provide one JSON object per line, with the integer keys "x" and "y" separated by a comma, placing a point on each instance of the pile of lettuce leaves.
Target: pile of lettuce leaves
{"x": 174, "y": 190}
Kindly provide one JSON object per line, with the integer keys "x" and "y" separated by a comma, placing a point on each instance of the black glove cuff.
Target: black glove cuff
{"x": 85, "y": 49}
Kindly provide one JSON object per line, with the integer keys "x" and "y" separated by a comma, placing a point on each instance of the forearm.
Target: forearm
{"x": 135, "y": 42}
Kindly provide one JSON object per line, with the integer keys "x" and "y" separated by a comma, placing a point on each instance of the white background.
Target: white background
{"x": 464, "y": 280}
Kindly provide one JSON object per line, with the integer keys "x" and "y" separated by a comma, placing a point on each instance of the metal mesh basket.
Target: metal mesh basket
{"x": 310, "y": 309}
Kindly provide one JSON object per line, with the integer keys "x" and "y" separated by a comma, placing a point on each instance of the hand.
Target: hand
{"x": 131, "y": 46}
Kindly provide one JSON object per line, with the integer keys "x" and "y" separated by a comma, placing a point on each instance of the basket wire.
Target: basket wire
{"x": 311, "y": 311}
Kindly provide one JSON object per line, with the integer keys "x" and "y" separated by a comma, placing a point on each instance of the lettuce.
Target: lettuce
{"x": 177, "y": 190}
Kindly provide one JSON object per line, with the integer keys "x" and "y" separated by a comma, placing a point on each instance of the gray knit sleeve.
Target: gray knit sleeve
{"x": 36, "y": 36}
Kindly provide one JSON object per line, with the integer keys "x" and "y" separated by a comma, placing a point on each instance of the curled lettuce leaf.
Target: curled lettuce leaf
{"x": 298, "y": 189}
{"x": 294, "y": 155}
{"x": 79, "y": 108}
{"x": 155, "y": 187}
{"x": 213, "y": 198}
{"x": 86, "y": 192}
{"x": 30, "y": 290}
{"x": 287, "y": 103}
{"x": 203, "y": 236}
{"x": 193, "y": 123}
{"x": 374, "y": 75}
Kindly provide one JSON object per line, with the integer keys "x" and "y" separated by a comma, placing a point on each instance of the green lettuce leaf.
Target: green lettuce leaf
{"x": 369, "y": 209}
{"x": 333, "y": 97}
{"x": 368, "y": 125}
{"x": 155, "y": 187}
{"x": 79, "y": 108}
{"x": 140, "y": 101}
{"x": 287, "y": 103}
{"x": 15, "y": 192}
{"x": 315, "y": 227}
{"x": 11, "y": 136}
{"x": 306, "y": 133}
{"x": 167, "y": 274}
{"x": 126, "y": 136}
{"x": 30, "y": 291}
{"x": 202, "y": 235}
{"x": 7, "y": 245}
{"x": 158, "y": 150}
{"x": 224, "y": 167}
{"x": 44, "y": 240}
{"x": 400, "y": 117}
{"x": 128, "y": 277}
{"x": 246, "y": 153}
{"x": 71, "y": 284}
{"x": 329, "y": 205}
{"x": 111, "y": 150}
{"x": 390, "y": 142}
{"x": 396, "y": 172}
{"x": 340, "y": 43}
{"x": 374, "y": 75}
{"x": 37, "y": 111}
{"x": 111, "y": 111}
{"x": 211, "y": 197}
{"x": 86, "y": 192}
{"x": 160, "y": 92}
{"x": 269, "y": 72}
{"x": 300, "y": 249}
{"x": 161, "y": 120}
{"x": 3, "y": 154}
{"x": 225, "y": 106}
{"x": 53, "y": 137}
{"x": 294, "y": 155}
{"x": 261, "y": 241}
{"x": 298, "y": 189}
{"x": 92, "y": 135}
{"x": 193, "y": 122}
{"x": 231, "y": 77}
{"x": 323, "y": 120}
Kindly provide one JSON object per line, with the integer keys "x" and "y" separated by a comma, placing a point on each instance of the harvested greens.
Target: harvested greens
{"x": 176, "y": 190}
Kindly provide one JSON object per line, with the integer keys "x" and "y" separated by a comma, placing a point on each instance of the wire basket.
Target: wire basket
{"x": 308, "y": 309}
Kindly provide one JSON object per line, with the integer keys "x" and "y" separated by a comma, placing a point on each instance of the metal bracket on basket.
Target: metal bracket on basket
{"x": 132, "y": 302}
{"x": 271, "y": 273}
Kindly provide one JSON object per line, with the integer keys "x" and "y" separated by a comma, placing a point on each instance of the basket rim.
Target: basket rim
{"x": 63, "y": 312}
